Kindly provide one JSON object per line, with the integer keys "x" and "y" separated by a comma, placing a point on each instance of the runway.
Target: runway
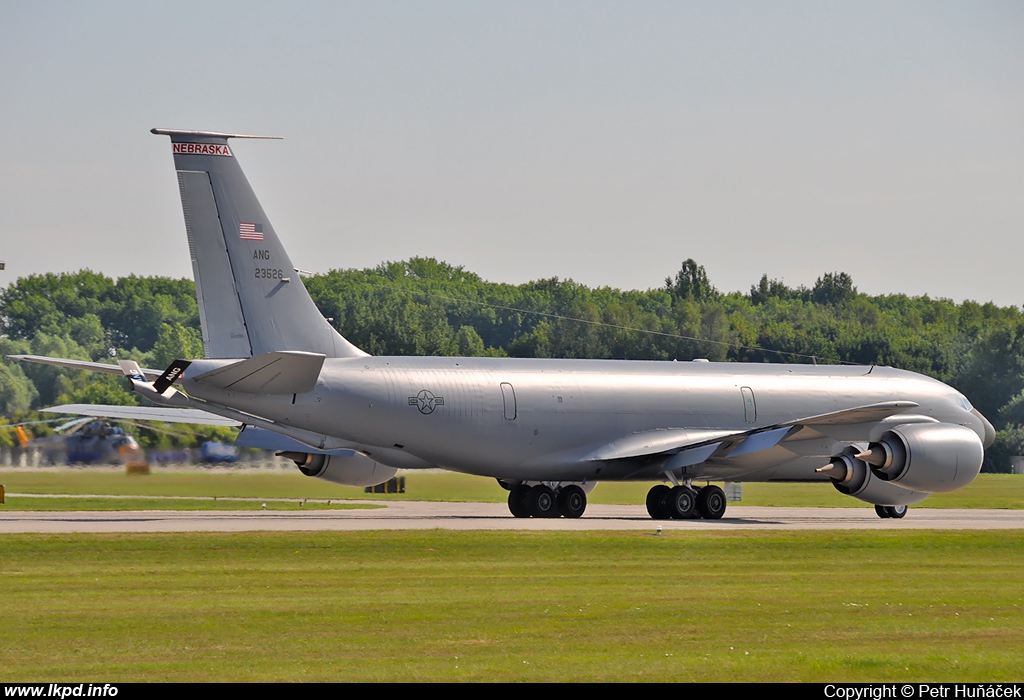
{"x": 422, "y": 515}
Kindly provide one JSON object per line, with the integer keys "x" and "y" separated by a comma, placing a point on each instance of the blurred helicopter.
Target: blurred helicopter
{"x": 97, "y": 440}
{"x": 82, "y": 441}
{"x": 100, "y": 442}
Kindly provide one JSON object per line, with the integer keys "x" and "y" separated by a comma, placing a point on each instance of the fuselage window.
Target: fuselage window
{"x": 508, "y": 395}
{"x": 749, "y": 407}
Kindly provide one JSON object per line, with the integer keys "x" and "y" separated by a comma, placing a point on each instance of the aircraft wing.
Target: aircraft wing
{"x": 685, "y": 447}
{"x": 156, "y": 413}
{"x": 151, "y": 374}
{"x": 861, "y": 414}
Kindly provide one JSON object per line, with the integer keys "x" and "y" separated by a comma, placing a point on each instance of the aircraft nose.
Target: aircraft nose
{"x": 990, "y": 432}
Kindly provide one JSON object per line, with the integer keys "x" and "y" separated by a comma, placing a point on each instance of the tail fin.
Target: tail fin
{"x": 251, "y": 300}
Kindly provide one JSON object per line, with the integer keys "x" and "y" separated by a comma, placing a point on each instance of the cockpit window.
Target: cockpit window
{"x": 964, "y": 403}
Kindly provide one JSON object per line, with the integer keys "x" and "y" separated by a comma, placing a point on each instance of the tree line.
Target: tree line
{"x": 423, "y": 306}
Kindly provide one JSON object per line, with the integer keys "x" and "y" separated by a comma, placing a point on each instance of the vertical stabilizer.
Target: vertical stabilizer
{"x": 251, "y": 300}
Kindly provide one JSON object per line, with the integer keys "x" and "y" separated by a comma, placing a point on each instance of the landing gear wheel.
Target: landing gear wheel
{"x": 882, "y": 511}
{"x": 898, "y": 511}
{"x": 572, "y": 501}
{"x": 656, "y": 499}
{"x": 711, "y": 503}
{"x": 682, "y": 502}
{"x": 542, "y": 502}
{"x": 517, "y": 501}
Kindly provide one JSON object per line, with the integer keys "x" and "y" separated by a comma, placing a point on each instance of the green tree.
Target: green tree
{"x": 17, "y": 392}
{"x": 176, "y": 342}
{"x": 1009, "y": 442}
{"x": 691, "y": 282}
{"x": 469, "y": 342}
{"x": 833, "y": 289}
{"x": 767, "y": 289}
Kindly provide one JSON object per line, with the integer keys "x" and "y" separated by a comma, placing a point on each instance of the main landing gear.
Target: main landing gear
{"x": 543, "y": 502}
{"x": 684, "y": 502}
{"x": 891, "y": 511}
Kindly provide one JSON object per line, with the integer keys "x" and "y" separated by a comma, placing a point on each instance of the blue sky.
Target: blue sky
{"x": 603, "y": 142}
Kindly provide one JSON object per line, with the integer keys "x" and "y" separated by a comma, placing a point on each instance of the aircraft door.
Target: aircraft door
{"x": 749, "y": 407}
{"x": 508, "y": 395}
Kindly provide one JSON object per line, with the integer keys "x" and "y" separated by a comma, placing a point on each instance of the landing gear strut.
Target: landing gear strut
{"x": 683, "y": 502}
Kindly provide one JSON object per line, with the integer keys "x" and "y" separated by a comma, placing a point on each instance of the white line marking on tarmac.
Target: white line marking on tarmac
{"x": 420, "y": 515}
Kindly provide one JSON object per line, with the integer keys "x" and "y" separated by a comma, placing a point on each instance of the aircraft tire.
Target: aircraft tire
{"x": 542, "y": 502}
{"x": 656, "y": 498}
{"x": 882, "y": 511}
{"x": 682, "y": 503}
{"x": 517, "y": 501}
{"x": 711, "y": 503}
{"x": 572, "y": 501}
{"x": 898, "y": 511}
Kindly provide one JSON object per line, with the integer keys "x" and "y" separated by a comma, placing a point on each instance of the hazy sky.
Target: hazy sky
{"x": 600, "y": 141}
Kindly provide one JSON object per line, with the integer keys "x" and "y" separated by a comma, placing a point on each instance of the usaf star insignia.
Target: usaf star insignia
{"x": 425, "y": 401}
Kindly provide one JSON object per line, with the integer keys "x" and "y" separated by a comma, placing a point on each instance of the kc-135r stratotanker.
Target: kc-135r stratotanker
{"x": 547, "y": 430}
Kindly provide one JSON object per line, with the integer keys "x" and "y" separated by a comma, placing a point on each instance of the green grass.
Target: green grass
{"x": 987, "y": 491}
{"x": 539, "y": 606}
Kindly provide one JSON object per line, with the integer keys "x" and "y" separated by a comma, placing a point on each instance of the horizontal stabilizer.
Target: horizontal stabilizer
{"x": 150, "y": 374}
{"x": 280, "y": 372}
{"x": 157, "y": 413}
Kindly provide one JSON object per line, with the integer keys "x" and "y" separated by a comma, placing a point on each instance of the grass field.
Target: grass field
{"x": 540, "y": 606}
{"x": 29, "y": 503}
{"x": 987, "y": 491}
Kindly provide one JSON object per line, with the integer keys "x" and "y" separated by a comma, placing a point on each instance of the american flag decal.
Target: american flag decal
{"x": 250, "y": 232}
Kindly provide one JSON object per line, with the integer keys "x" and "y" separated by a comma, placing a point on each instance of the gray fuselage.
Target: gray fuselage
{"x": 549, "y": 419}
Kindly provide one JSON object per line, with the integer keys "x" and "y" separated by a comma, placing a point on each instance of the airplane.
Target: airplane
{"x": 547, "y": 429}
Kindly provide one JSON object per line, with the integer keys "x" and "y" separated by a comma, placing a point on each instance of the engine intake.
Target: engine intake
{"x": 931, "y": 457}
{"x": 854, "y": 477}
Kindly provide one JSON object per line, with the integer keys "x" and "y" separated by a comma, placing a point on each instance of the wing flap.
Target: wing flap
{"x": 690, "y": 456}
{"x": 653, "y": 442}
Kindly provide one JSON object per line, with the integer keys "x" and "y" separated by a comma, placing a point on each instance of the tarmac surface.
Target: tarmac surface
{"x": 422, "y": 515}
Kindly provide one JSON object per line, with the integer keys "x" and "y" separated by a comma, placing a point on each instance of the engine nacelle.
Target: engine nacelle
{"x": 855, "y": 478}
{"x": 355, "y": 469}
{"x": 931, "y": 457}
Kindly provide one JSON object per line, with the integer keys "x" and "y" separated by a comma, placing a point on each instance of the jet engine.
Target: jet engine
{"x": 931, "y": 457}
{"x": 355, "y": 469}
{"x": 855, "y": 478}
